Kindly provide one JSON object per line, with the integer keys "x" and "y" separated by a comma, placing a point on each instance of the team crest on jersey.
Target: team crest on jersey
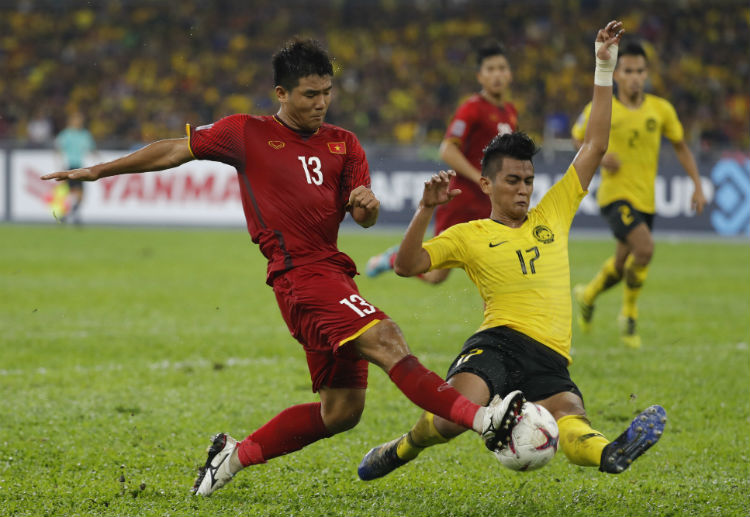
{"x": 337, "y": 147}
{"x": 276, "y": 144}
{"x": 651, "y": 124}
{"x": 543, "y": 234}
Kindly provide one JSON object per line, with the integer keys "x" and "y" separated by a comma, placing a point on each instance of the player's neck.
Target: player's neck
{"x": 287, "y": 121}
{"x": 632, "y": 101}
{"x": 507, "y": 220}
{"x": 497, "y": 99}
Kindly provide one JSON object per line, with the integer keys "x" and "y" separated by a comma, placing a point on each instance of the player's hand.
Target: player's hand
{"x": 437, "y": 190}
{"x": 608, "y": 36}
{"x": 611, "y": 162}
{"x": 73, "y": 174}
{"x": 363, "y": 197}
{"x": 698, "y": 201}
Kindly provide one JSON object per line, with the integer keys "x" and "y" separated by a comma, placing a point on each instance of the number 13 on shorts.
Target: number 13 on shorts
{"x": 358, "y": 304}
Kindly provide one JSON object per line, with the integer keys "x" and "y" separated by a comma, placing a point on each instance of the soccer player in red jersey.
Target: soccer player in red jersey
{"x": 298, "y": 178}
{"x": 476, "y": 122}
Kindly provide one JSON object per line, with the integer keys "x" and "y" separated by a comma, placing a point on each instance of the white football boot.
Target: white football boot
{"x": 215, "y": 474}
{"x": 499, "y": 419}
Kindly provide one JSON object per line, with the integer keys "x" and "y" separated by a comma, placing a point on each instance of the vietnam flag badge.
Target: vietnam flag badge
{"x": 337, "y": 147}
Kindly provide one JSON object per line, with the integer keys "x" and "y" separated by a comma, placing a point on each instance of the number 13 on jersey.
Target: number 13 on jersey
{"x": 312, "y": 168}
{"x": 362, "y": 308}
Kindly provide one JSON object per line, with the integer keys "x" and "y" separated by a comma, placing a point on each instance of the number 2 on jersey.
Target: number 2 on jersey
{"x": 633, "y": 140}
{"x": 312, "y": 165}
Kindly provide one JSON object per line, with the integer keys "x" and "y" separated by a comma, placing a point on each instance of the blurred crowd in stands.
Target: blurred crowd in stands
{"x": 139, "y": 70}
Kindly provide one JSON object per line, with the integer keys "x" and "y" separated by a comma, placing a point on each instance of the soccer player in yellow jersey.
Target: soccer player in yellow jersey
{"x": 518, "y": 259}
{"x": 626, "y": 193}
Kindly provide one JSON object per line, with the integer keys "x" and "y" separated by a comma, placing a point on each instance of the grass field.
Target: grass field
{"x": 123, "y": 350}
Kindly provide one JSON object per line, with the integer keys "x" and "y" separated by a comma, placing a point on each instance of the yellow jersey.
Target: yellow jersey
{"x": 635, "y": 137}
{"x": 522, "y": 274}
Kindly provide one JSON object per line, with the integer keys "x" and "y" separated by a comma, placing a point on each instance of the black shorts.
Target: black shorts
{"x": 622, "y": 218}
{"x": 75, "y": 184}
{"x": 508, "y": 360}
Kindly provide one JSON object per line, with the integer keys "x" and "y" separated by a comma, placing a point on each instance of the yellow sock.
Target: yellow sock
{"x": 634, "y": 275}
{"x": 422, "y": 435}
{"x": 604, "y": 279}
{"x": 580, "y": 443}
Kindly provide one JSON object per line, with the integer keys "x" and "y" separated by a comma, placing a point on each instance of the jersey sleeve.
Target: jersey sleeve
{"x": 672, "y": 128}
{"x": 579, "y": 128}
{"x": 447, "y": 249}
{"x": 356, "y": 170}
{"x": 458, "y": 128}
{"x": 221, "y": 141}
{"x": 561, "y": 201}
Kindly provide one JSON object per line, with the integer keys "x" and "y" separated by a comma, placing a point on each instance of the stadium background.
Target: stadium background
{"x": 118, "y": 342}
{"x": 140, "y": 70}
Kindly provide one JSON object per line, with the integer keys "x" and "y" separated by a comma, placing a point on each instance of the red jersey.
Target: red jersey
{"x": 294, "y": 187}
{"x": 476, "y": 122}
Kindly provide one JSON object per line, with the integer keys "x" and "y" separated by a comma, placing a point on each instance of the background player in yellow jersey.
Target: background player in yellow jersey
{"x": 626, "y": 193}
{"x": 518, "y": 259}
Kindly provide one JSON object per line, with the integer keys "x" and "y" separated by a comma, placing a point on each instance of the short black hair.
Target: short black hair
{"x": 488, "y": 49}
{"x": 631, "y": 48}
{"x": 516, "y": 145}
{"x": 299, "y": 58}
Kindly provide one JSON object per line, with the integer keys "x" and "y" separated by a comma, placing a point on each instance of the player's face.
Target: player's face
{"x": 630, "y": 75}
{"x": 306, "y": 105}
{"x": 510, "y": 190}
{"x": 494, "y": 75}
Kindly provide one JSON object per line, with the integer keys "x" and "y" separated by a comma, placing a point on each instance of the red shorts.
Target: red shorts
{"x": 324, "y": 311}
{"x": 461, "y": 210}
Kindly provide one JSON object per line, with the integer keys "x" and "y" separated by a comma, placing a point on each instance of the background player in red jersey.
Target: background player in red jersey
{"x": 298, "y": 178}
{"x": 477, "y": 121}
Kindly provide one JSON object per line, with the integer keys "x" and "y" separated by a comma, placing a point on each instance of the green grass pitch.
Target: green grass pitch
{"x": 123, "y": 350}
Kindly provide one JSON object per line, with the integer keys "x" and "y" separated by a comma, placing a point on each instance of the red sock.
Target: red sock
{"x": 287, "y": 432}
{"x": 428, "y": 391}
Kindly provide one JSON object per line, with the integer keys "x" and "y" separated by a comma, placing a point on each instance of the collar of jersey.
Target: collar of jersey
{"x": 499, "y": 222}
{"x": 302, "y": 134}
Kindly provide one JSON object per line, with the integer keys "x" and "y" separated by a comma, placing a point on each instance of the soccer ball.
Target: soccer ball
{"x": 533, "y": 440}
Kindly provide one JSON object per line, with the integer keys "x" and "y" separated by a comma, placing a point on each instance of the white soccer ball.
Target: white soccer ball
{"x": 533, "y": 440}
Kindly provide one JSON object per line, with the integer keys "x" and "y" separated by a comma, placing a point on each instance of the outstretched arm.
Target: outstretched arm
{"x": 596, "y": 138}
{"x": 157, "y": 156}
{"x": 412, "y": 259}
{"x": 687, "y": 160}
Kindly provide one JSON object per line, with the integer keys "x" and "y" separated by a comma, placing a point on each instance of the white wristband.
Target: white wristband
{"x": 604, "y": 67}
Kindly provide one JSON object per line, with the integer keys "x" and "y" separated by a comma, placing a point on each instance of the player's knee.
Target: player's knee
{"x": 643, "y": 254}
{"x": 383, "y": 345}
{"x": 572, "y": 410}
{"x": 563, "y": 404}
{"x": 642, "y": 249}
{"x": 342, "y": 419}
